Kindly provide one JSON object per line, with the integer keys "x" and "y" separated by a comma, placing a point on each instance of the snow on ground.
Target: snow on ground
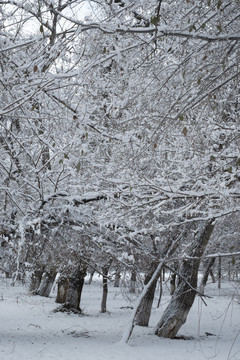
{"x": 29, "y": 329}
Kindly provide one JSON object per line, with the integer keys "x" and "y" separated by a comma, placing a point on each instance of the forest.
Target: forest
{"x": 119, "y": 151}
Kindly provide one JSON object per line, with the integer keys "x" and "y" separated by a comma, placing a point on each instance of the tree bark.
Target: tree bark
{"x": 46, "y": 284}
{"x": 206, "y": 274}
{"x": 117, "y": 279}
{"x": 35, "y": 280}
{"x": 105, "y": 289}
{"x": 219, "y": 272}
{"x": 212, "y": 276}
{"x": 90, "y": 277}
{"x": 144, "y": 312}
{"x": 172, "y": 283}
{"x": 176, "y": 313}
{"x": 76, "y": 282}
{"x": 126, "y": 336}
{"x": 62, "y": 290}
{"x": 133, "y": 282}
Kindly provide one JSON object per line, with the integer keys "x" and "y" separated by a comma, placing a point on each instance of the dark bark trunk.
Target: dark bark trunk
{"x": 117, "y": 279}
{"x": 172, "y": 284}
{"x": 176, "y": 313}
{"x": 163, "y": 274}
{"x": 212, "y": 276}
{"x": 133, "y": 282}
{"x": 46, "y": 284}
{"x": 205, "y": 274}
{"x": 219, "y": 272}
{"x": 105, "y": 289}
{"x": 76, "y": 282}
{"x": 62, "y": 289}
{"x": 160, "y": 286}
{"x": 144, "y": 313}
{"x": 90, "y": 277}
{"x": 35, "y": 280}
{"x": 173, "y": 278}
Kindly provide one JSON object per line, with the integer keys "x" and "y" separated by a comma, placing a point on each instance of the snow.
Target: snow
{"x": 29, "y": 329}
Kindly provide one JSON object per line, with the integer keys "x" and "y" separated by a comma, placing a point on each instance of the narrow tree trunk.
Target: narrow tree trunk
{"x": 75, "y": 286}
{"x": 126, "y": 336}
{"x": 205, "y": 274}
{"x": 35, "y": 280}
{"x": 212, "y": 276}
{"x": 90, "y": 277}
{"x": 172, "y": 284}
{"x": 219, "y": 272}
{"x": 144, "y": 312}
{"x": 46, "y": 284}
{"x": 62, "y": 289}
{"x": 117, "y": 279}
{"x": 176, "y": 313}
{"x": 133, "y": 282}
{"x": 173, "y": 278}
{"x": 105, "y": 289}
{"x": 163, "y": 274}
{"x": 160, "y": 286}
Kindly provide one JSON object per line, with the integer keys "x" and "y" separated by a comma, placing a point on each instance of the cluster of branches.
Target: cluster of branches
{"x": 119, "y": 128}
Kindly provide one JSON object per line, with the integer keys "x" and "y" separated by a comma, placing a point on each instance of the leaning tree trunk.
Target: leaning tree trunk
{"x": 46, "y": 284}
{"x": 62, "y": 289}
{"x": 144, "y": 312}
{"x": 212, "y": 276}
{"x": 176, "y": 313}
{"x": 76, "y": 282}
{"x": 206, "y": 273}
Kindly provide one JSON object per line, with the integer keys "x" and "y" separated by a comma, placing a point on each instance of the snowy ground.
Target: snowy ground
{"x": 30, "y": 330}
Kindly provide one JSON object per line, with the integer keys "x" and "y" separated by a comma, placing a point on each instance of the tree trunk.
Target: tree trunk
{"x": 205, "y": 274}
{"x": 163, "y": 274}
{"x": 133, "y": 282}
{"x": 90, "y": 277}
{"x": 75, "y": 286}
{"x": 219, "y": 272}
{"x": 35, "y": 280}
{"x": 62, "y": 290}
{"x": 144, "y": 312}
{"x": 138, "y": 305}
{"x": 46, "y": 284}
{"x": 172, "y": 283}
{"x": 117, "y": 279}
{"x": 176, "y": 313}
{"x": 105, "y": 289}
{"x": 212, "y": 276}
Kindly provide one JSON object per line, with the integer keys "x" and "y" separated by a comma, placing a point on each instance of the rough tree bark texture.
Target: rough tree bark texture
{"x": 144, "y": 312}
{"x": 172, "y": 283}
{"x": 133, "y": 282}
{"x": 46, "y": 283}
{"x": 205, "y": 274}
{"x": 62, "y": 289}
{"x": 176, "y": 313}
{"x": 76, "y": 281}
{"x": 35, "y": 280}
